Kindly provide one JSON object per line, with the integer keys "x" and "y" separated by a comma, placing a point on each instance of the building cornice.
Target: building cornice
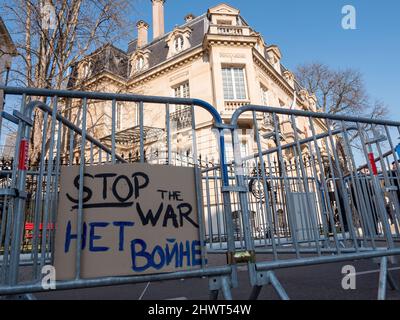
{"x": 103, "y": 76}
{"x": 224, "y": 40}
{"x": 282, "y": 83}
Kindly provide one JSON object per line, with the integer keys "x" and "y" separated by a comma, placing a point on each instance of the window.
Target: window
{"x": 267, "y": 117}
{"x": 182, "y": 91}
{"x": 228, "y": 149}
{"x": 139, "y": 63}
{"x": 242, "y": 144}
{"x": 182, "y": 114}
{"x": 118, "y": 123}
{"x": 85, "y": 70}
{"x": 264, "y": 96}
{"x": 234, "y": 84}
{"x": 178, "y": 43}
{"x": 244, "y": 148}
{"x": 224, "y": 22}
{"x": 136, "y": 120}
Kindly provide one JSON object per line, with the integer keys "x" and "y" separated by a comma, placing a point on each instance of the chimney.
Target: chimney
{"x": 158, "y": 18}
{"x": 189, "y": 17}
{"x": 142, "y": 28}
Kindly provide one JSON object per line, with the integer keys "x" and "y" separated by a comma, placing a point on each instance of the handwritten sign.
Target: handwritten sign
{"x": 137, "y": 219}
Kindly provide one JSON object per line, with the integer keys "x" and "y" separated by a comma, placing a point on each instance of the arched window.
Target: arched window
{"x": 178, "y": 43}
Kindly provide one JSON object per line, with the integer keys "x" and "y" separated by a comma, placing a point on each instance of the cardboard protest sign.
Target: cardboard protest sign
{"x": 138, "y": 219}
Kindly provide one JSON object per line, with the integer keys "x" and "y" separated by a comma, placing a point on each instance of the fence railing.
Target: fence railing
{"x": 327, "y": 192}
{"x": 30, "y": 185}
{"x": 317, "y": 188}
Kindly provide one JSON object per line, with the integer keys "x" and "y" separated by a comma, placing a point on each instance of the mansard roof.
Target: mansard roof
{"x": 159, "y": 49}
{"x": 5, "y": 34}
{"x": 109, "y": 58}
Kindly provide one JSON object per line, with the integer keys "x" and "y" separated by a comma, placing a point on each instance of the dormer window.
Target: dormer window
{"x": 223, "y": 14}
{"x": 178, "y": 43}
{"x": 274, "y": 57}
{"x": 85, "y": 70}
{"x": 139, "y": 63}
{"x": 260, "y": 44}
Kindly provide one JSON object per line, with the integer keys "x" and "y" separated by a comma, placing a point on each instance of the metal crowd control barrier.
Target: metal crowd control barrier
{"x": 316, "y": 188}
{"x": 29, "y": 186}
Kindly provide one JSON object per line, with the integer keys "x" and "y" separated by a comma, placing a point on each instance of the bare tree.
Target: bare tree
{"x": 51, "y": 36}
{"x": 340, "y": 92}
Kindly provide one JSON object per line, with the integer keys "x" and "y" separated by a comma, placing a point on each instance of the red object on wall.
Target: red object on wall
{"x": 23, "y": 154}
{"x": 373, "y": 164}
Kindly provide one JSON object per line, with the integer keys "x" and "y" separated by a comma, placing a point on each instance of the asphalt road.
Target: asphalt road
{"x": 322, "y": 282}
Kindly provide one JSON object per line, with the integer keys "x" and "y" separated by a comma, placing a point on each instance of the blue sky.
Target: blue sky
{"x": 310, "y": 30}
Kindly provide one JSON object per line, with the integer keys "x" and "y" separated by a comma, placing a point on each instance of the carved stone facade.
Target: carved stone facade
{"x": 7, "y": 50}
{"x": 216, "y": 57}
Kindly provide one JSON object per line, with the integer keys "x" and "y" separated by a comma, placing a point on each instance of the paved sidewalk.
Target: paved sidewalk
{"x": 321, "y": 282}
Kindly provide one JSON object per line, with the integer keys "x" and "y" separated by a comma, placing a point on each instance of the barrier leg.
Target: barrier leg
{"x": 28, "y": 296}
{"x": 226, "y": 289}
{"x": 277, "y": 286}
{"x": 255, "y": 292}
{"x": 382, "y": 279}
{"x": 214, "y": 294}
{"x": 220, "y": 284}
{"x": 265, "y": 278}
{"x": 392, "y": 283}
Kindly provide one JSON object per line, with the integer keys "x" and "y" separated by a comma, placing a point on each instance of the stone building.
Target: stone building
{"x": 217, "y": 57}
{"x": 7, "y": 52}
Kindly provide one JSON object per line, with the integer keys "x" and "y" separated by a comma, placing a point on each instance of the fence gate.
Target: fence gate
{"x": 54, "y": 137}
{"x": 324, "y": 188}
